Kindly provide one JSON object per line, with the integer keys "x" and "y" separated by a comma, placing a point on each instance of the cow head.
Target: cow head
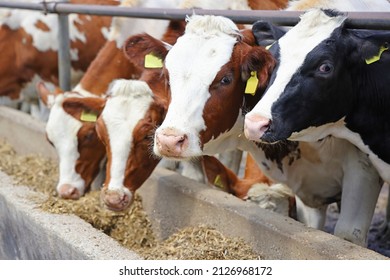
{"x": 208, "y": 69}
{"x": 137, "y": 107}
{"x": 311, "y": 85}
{"x": 126, "y": 126}
{"x": 71, "y": 130}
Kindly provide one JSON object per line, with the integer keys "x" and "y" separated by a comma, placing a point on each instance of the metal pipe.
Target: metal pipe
{"x": 64, "y": 59}
{"x": 358, "y": 20}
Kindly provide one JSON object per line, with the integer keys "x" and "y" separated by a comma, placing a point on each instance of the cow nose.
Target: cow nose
{"x": 171, "y": 143}
{"x": 68, "y": 191}
{"x": 117, "y": 200}
{"x": 255, "y": 126}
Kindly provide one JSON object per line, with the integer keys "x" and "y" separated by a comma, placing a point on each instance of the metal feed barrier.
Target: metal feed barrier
{"x": 358, "y": 20}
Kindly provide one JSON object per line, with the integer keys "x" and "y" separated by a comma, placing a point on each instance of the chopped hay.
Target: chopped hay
{"x": 205, "y": 243}
{"x": 131, "y": 228}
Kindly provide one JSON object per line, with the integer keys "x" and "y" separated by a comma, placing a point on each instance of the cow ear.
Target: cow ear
{"x": 257, "y": 67}
{"x": 46, "y": 95}
{"x": 142, "y": 48}
{"x": 373, "y": 46}
{"x": 84, "y": 108}
{"x": 266, "y": 33}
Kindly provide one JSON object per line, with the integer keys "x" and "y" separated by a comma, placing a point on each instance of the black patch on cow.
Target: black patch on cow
{"x": 279, "y": 151}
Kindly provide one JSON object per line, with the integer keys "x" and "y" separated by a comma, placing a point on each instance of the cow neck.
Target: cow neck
{"x": 369, "y": 113}
{"x": 277, "y": 151}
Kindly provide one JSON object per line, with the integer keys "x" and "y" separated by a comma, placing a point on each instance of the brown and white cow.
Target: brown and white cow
{"x": 29, "y": 46}
{"x": 71, "y": 130}
{"x": 209, "y": 69}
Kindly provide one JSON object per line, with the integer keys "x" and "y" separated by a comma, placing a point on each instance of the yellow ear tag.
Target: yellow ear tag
{"x": 218, "y": 182}
{"x": 375, "y": 58}
{"x": 152, "y": 61}
{"x": 251, "y": 84}
{"x": 88, "y": 116}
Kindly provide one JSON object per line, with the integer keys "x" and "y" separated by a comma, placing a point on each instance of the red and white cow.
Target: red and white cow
{"x": 214, "y": 63}
{"x": 29, "y": 46}
{"x": 71, "y": 130}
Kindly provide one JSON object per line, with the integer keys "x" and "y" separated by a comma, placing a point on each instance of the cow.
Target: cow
{"x": 334, "y": 85}
{"x": 29, "y": 46}
{"x": 71, "y": 130}
{"x": 132, "y": 111}
{"x": 215, "y": 64}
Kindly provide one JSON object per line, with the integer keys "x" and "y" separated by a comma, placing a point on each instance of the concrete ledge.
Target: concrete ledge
{"x": 171, "y": 201}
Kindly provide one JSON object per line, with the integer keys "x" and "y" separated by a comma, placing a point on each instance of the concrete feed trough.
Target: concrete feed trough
{"x": 171, "y": 202}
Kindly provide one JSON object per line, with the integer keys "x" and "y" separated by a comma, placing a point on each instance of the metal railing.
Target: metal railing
{"x": 358, "y": 20}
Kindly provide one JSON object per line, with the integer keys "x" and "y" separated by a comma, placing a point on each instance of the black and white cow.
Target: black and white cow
{"x": 329, "y": 80}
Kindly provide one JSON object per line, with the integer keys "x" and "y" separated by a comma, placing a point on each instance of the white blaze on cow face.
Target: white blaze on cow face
{"x": 314, "y": 27}
{"x": 192, "y": 64}
{"x": 61, "y": 130}
{"x": 128, "y": 103}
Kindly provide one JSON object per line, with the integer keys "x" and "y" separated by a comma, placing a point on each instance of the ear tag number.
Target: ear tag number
{"x": 377, "y": 57}
{"x": 251, "y": 84}
{"x": 88, "y": 116}
{"x": 152, "y": 61}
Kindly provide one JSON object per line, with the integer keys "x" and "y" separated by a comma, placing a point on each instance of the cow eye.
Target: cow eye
{"x": 226, "y": 80}
{"x": 325, "y": 68}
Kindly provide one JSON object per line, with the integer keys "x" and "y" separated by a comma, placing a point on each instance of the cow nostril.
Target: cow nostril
{"x": 266, "y": 128}
{"x": 182, "y": 139}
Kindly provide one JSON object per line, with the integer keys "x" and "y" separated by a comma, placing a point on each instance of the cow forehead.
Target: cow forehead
{"x": 204, "y": 48}
{"x": 195, "y": 57}
{"x": 127, "y": 105}
{"x": 314, "y": 27}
